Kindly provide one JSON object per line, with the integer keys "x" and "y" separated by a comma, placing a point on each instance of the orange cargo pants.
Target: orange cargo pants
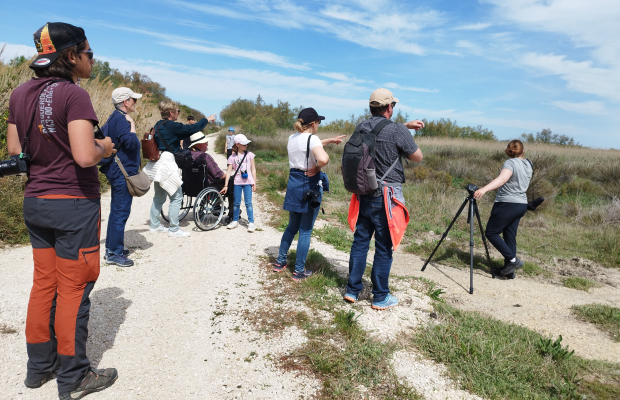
{"x": 64, "y": 232}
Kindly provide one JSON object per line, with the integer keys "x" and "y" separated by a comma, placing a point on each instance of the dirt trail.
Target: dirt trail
{"x": 541, "y": 306}
{"x": 174, "y": 327}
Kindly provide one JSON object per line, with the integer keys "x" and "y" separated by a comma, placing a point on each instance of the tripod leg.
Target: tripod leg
{"x": 484, "y": 239}
{"x": 471, "y": 245}
{"x": 445, "y": 233}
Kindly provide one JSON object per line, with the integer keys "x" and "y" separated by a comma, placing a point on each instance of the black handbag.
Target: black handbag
{"x": 183, "y": 158}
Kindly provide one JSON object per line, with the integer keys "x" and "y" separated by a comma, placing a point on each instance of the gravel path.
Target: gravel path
{"x": 175, "y": 326}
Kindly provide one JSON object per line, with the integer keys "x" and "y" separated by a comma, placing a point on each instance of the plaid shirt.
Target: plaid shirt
{"x": 394, "y": 141}
{"x": 213, "y": 171}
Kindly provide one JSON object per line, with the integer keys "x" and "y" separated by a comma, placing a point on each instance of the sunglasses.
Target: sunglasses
{"x": 178, "y": 110}
{"x": 89, "y": 53}
{"x": 393, "y": 104}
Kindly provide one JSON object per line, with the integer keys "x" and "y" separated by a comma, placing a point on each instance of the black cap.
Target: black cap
{"x": 52, "y": 38}
{"x": 308, "y": 115}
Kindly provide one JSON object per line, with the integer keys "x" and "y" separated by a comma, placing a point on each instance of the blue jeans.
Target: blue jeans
{"x": 173, "y": 211}
{"x": 302, "y": 223}
{"x": 371, "y": 219}
{"x": 120, "y": 207}
{"x": 247, "y": 195}
{"x": 505, "y": 219}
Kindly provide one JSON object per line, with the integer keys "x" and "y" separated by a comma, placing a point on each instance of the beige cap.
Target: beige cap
{"x": 122, "y": 93}
{"x": 382, "y": 97}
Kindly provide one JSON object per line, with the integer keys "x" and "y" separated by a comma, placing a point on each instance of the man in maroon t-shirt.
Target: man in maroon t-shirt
{"x": 61, "y": 209}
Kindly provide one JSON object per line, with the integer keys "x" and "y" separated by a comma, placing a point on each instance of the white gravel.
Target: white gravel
{"x": 173, "y": 325}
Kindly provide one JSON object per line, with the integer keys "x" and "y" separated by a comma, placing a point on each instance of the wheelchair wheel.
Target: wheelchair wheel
{"x": 208, "y": 209}
{"x": 186, "y": 205}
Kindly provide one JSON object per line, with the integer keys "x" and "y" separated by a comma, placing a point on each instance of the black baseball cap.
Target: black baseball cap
{"x": 52, "y": 38}
{"x": 309, "y": 115}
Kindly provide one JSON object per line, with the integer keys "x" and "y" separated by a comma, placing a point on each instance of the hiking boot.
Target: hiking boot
{"x": 511, "y": 267}
{"x": 351, "y": 298}
{"x": 160, "y": 229}
{"x": 232, "y": 225}
{"x": 121, "y": 261}
{"x": 180, "y": 233}
{"x": 277, "y": 267}
{"x": 300, "y": 276}
{"x": 389, "y": 301}
{"x": 95, "y": 380}
{"x": 34, "y": 383}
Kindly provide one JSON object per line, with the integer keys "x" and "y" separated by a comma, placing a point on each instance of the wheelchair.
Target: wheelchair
{"x": 200, "y": 195}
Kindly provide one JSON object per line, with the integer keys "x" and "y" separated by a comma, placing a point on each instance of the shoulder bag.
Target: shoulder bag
{"x": 139, "y": 184}
{"x": 183, "y": 157}
{"x": 231, "y": 180}
{"x": 149, "y": 146}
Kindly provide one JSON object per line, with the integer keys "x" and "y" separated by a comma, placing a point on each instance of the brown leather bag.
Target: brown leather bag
{"x": 149, "y": 146}
{"x": 138, "y": 185}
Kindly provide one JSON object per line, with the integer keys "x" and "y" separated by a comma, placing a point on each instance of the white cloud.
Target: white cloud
{"x": 379, "y": 25}
{"x": 587, "y": 107}
{"x": 15, "y": 50}
{"x": 202, "y": 46}
{"x": 581, "y": 76}
{"x": 393, "y": 85}
{"x": 342, "y": 77}
{"x": 472, "y": 27}
{"x": 230, "y": 84}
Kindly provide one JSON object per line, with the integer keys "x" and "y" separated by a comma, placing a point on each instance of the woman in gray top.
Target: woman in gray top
{"x": 510, "y": 206}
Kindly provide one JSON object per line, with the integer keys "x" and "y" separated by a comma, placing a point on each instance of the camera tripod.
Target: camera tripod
{"x": 473, "y": 208}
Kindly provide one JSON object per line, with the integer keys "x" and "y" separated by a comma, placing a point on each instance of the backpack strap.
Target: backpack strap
{"x": 375, "y": 132}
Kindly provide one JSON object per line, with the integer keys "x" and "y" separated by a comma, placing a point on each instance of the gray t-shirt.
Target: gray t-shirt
{"x": 514, "y": 190}
{"x": 230, "y": 141}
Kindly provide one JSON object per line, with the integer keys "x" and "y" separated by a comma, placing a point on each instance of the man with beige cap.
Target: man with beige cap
{"x": 121, "y": 128}
{"x": 393, "y": 142}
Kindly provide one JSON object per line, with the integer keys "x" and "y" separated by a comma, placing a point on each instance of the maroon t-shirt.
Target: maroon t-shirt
{"x": 53, "y": 169}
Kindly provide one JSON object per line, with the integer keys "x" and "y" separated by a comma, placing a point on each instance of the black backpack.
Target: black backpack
{"x": 358, "y": 160}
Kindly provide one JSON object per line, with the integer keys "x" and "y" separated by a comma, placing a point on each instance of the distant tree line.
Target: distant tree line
{"x": 259, "y": 118}
{"x": 139, "y": 83}
{"x": 546, "y": 136}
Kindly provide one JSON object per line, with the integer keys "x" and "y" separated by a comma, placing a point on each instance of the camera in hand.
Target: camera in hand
{"x": 17, "y": 165}
{"x": 312, "y": 198}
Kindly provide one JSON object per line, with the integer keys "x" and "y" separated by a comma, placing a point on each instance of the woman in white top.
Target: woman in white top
{"x": 304, "y": 192}
{"x": 510, "y": 205}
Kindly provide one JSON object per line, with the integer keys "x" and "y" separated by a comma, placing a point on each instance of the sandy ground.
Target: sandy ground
{"x": 174, "y": 324}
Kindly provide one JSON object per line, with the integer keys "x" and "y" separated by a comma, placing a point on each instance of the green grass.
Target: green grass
{"x": 339, "y": 237}
{"x": 605, "y": 317}
{"x": 498, "y": 360}
{"x": 532, "y": 269}
{"x": 575, "y": 282}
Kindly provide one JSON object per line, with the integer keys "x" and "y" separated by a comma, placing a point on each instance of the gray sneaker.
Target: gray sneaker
{"x": 511, "y": 267}
{"x": 95, "y": 380}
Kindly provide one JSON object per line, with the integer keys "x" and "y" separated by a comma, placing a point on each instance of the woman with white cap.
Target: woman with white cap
{"x": 242, "y": 169}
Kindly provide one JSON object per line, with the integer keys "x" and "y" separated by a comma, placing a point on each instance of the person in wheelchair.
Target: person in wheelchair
{"x": 198, "y": 145}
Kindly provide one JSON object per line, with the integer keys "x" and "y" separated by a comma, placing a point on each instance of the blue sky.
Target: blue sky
{"x": 512, "y": 66}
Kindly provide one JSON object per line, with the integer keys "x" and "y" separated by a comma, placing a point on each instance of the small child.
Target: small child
{"x": 230, "y": 141}
{"x": 245, "y": 179}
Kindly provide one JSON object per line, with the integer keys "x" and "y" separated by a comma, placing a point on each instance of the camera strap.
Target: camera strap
{"x": 239, "y": 166}
{"x": 36, "y": 107}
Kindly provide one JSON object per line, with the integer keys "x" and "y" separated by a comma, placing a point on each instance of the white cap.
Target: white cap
{"x": 122, "y": 93}
{"x": 241, "y": 139}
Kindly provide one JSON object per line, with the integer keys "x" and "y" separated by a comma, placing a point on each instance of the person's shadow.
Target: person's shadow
{"x": 107, "y": 313}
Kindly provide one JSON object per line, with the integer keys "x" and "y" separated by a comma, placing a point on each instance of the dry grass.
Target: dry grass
{"x": 12, "y": 228}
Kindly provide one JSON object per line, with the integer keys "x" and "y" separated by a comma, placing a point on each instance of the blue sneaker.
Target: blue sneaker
{"x": 389, "y": 301}
{"x": 351, "y": 298}
{"x": 121, "y": 261}
{"x": 107, "y": 253}
{"x": 300, "y": 276}
{"x": 277, "y": 267}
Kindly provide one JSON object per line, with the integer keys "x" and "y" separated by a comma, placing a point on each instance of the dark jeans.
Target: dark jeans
{"x": 120, "y": 208}
{"x": 505, "y": 219}
{"x": 371, "y": 219}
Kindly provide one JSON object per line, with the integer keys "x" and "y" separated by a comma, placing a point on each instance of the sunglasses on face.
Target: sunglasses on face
{"x": 178, "y": 110}
{"x": 393, "y": 104}
{"x": 89, "y": 53}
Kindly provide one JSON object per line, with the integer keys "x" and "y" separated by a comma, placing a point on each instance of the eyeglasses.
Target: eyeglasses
{"x": 89, "y": 52}
{"x": 178, "y": 110}
{"x": 393, "y": 104}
